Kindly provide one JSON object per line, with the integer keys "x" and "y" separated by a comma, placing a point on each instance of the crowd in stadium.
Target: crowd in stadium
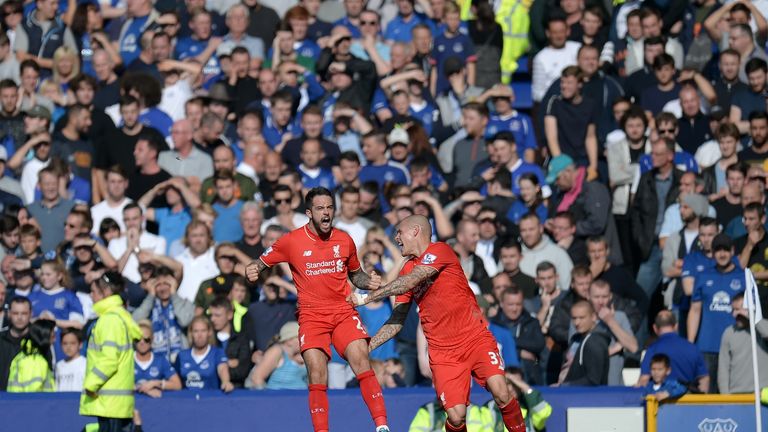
{"x": 567, "y": 150}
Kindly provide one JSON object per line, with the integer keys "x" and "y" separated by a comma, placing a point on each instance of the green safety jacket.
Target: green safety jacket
{"x": 30, "y": 373}
{"x": 534, "y": 408}
{"x": 109, "y": 369}
{"x": 431, "y": 417}
{"x": 513, "y": 17}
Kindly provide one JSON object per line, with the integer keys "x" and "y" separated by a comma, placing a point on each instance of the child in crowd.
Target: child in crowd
{"x": 661, "y": 387}
{"x": 30, "y": 245}
{"x": 70, "y": 371}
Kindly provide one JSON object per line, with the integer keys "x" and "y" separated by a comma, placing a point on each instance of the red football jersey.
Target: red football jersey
{"x": 448, "y": 309}
{"x": 319, "y": 267}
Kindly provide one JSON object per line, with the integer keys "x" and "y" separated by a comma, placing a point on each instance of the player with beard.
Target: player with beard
{"x": 459, "y": 341}
{"x": 321, "y": 258}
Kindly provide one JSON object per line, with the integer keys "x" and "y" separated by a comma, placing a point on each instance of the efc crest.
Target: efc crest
{"x": 718, "y": 425}
{"x": 428, "y": 259}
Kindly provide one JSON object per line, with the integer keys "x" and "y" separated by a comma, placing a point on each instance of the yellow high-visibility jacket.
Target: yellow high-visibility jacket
{"x": 109, "y": 370}
{"x": 30, "y": 373}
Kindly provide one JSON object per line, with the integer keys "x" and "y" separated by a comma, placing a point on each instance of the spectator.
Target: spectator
{"x": 198, "y": 259}
{"x": 286, "y": 216}
{"x": 655, "y": 97}
{"x": 153, "y": 374}
{"x": 115, "y": 199}
{"x": 735, "y": 359}
{"x": 172, "y": 219}
{"x": 272, "y": 312}
{"x": 30, "y": 370}
{"x": 746, "y": 101}
{"x": 537, "y": 247}
{"x": 148, "y": 172}
{"x": 758, "y": 131}
{"x": 227, "y": 208}
{"x": 563, "y": 228}
{"x": 211, "y": 371}
{"x": 570, "y": 123}
{"x": 687, "y": 362}
{"x": 510, "y": 255}
{"x": 31, "y": 42}
{"x": 728, "y": 83}
{"x": 728, "y": 205}
{"x": 251, "y": 219}
{"x": 616, "y": 324}
{"x": 224, "y": 159}
{"x": 126, "y": 249}
{"x": 752, "y": 246}
{"x": 587, "y": 200}
{"x": 623, "y": 287}
{"x": 716, "y": 288}
{"x": 692, "y": 208}
{"x": 169, "y": 314}
{"x": 235, "y": 344}
{"x": 526, "y": 330}
{"x": 399, "y": 29}
{"x": 552, "y": 60}
{"x": 70, "y": 371}
{"x": 348, "y": 218}
{"x": 467, "y": 237}
{"x": 586, "y": 363}
{"x": 50, "y": 209}
{"x": 432, "y": 416}
{"x": 185, "y": 159}
{"x": 662, "y": 386}
{"x": 657, "y": 189}
{"x": 19, "y": 315}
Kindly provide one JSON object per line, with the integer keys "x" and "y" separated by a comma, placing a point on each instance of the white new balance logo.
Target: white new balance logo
{"x": 308, "y": 253}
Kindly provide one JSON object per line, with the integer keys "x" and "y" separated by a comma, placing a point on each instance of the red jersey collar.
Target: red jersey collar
{"x": 314, "y": 237}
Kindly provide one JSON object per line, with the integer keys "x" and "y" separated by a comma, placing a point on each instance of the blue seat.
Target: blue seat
{"x": 523, "y": 95}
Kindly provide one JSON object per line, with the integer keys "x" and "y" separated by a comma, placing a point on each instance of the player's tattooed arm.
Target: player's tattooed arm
{"x": 253, "y": 269}
{"x": 403, "y": 284}
{"x": 365, "y": 281}
{"x": 392, "y": 327}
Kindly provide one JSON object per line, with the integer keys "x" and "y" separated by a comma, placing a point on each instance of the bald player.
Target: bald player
{"x": 460, "y": 344}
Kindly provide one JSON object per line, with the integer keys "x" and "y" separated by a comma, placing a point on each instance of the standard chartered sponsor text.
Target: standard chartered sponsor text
{"x": 324, "y": 267}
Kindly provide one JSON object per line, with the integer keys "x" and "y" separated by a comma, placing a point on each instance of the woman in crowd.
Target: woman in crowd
{"x": 282, "y": 367}
{"x": 203, "y": 366}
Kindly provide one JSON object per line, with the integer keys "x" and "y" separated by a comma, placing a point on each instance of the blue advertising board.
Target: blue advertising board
{"x": 709, "y": 418}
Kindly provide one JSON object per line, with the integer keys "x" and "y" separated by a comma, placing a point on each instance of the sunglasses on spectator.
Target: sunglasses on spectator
{"x": 282, "y": 201}
{"x": 667, "y": 131}
{"x": 145, "y": 340}
{"x": 82, "y": 247}
{"x": 373, "y": 23}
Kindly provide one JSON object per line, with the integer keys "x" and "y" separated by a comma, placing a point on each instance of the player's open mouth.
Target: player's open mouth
{"x": 325, "y": 221}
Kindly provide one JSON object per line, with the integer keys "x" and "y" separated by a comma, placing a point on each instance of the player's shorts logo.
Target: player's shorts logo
{"x": 429, "y": 259}
{"x": 336, "y": 251}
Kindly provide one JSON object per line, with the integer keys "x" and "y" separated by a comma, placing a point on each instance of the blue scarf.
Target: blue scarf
{"x": 167, "y": 340}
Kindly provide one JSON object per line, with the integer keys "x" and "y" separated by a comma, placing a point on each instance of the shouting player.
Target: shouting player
{"x": 459, "y": 341}
{"x": 320, "y": 258}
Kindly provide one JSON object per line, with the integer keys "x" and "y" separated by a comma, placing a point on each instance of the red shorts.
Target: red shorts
{"x": 451, "y": 370}
{"x": 318, "y": 329}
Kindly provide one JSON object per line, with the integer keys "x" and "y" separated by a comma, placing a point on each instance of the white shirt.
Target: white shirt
{"x": 484, "y": 250}
{"x": 174, "y": 98}
{"x": 103, "y": 210}
{"x": 356, "y": 230}
{"x": 29, "y": 178}
{"x": 549, "y": 64}
{"x": 298, "y": 220}
{"x": 70, "y": 375}
{"x": 196, "y": 271}
{"x": 118, "y": 246}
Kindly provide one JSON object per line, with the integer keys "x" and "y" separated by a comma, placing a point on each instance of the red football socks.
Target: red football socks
{"x": 451, "y": 428}
{"x": 374, "y": 399}
{"x": 318, "y": 406}
{"x": 513, "y": 418}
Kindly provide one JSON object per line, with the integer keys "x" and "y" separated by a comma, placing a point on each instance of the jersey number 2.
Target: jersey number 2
{"x": 360, "y": 325}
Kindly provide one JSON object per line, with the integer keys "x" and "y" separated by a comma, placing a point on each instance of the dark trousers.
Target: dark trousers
{"x": 115, "y": 424}
{"x": 711, "y": 360}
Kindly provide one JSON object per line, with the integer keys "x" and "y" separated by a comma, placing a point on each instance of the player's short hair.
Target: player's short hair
{"x": 316, "y": 192}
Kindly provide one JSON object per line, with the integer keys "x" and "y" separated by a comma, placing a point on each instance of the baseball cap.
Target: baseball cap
{"x": 222, "y": 284}
{"x": 288, "y": 331}
{"x": 557, "y": 165}
{"x": 38, "y": 111}
{"x": 722, "y": 241}
{"x": 697, "y": 202}
{"x": 398, "y": 136}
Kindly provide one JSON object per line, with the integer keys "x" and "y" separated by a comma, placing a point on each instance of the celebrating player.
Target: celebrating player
{"x": 320, "y": 258}
{"x": 457, "y": 335}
